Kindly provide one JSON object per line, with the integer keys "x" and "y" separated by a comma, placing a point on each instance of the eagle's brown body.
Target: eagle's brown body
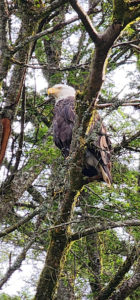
{"x": 97, "y": 155}
{"x": 63, "y": 122}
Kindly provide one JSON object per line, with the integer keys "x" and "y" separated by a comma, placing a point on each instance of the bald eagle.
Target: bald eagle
{"x": 97, "y": 157}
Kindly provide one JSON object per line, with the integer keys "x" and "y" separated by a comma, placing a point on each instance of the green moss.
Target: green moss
{"x": 119, "y": 7}
{"x": 123, "y": 13}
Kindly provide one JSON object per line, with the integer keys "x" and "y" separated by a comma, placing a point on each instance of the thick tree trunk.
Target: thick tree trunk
{"x": 56, "y": 254}
{"x": 65, "y": 292}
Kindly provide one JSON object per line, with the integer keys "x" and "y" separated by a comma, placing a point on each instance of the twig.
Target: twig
{"x": 126, "y": 43}
{"x": 133, "y": 3}
{"x": 135, "y": 103}
{"x": 132, "y": 149}
{"x": 126, "y": 142}
{"x": 46, "y": 66}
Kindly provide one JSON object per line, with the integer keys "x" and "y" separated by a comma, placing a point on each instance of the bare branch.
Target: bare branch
{"x": 126, "y": 142}
{"x": 136, "y": 47}
{"x": 25, "y": 205}
{"x": 134, "y": 3}
{"x": 129, "y": 43}
{"x": 131, "y": 103}
{"x": 133, "y": 149}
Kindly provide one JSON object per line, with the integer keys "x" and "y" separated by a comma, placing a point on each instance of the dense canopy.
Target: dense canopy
{"x": 63, "y": 237}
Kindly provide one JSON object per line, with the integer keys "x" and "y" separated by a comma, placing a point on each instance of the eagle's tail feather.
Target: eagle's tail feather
{"x": 106, "y": 175}
{"x": 65, "y": 152}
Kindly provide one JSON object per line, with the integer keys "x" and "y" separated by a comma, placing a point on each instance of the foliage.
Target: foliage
{"x": 78, "y": 235}
{"x": 6, "y": 297}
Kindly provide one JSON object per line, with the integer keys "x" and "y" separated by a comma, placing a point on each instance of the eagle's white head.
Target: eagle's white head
{"x": 61, "y": 91}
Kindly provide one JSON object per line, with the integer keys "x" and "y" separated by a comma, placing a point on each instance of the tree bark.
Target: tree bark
{"x": 60, "y": 238}
{"x": 128, "y": 286}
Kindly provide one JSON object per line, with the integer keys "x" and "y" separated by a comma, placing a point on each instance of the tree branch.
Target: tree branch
{"x": 37, "y": 36}
{"x": 22, "y": 180}
{"x": 17, "y": 263}
{"x": 131, "y": 103}
{"x": 133, "y": 149}
{"x": 37, "y": 197}
{"x": 21, "y": 222}
{"x": 114, "y": 282}
{"x": 128, "y": 43}
{"x": 98, "y": 228}
{"x": 125, "y": 143}
{"x": 85, "y": 20}
{"x": 133, "y": 3}
{"x": 128, "y": 286}
{"x": 46, "y": 66}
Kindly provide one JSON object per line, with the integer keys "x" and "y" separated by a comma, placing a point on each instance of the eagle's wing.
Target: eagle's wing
{"x": 98, "y": 155}
{"x": 68, "y": 113}
{"x": 63, "y": 122}
{"x": 104, "y": 145}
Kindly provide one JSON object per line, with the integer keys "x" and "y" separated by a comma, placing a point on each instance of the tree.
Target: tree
{"x": 47, "y": 205}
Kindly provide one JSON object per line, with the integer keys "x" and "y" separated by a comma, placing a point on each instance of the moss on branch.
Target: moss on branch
{"x": 124, "y": 13}
{"x": 119, "y": 8}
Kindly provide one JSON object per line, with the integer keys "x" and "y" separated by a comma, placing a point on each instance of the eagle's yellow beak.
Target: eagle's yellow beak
{"x": 51, "y": 91}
